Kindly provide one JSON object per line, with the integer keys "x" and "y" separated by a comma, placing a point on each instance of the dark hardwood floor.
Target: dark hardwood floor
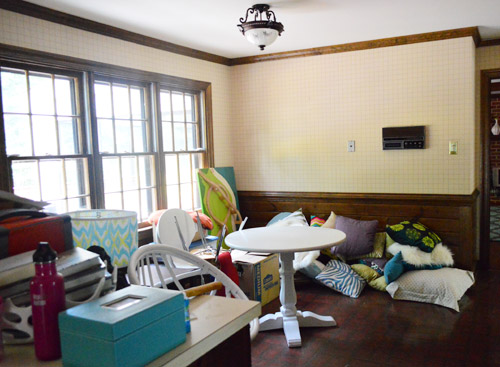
{"x": 375, "y": 330}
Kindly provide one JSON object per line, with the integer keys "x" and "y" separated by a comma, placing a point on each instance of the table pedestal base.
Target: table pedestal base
{"x": 291, "y": 324}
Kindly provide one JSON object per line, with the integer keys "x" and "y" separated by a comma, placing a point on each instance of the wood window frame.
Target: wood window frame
{"x": 89, "y": 69}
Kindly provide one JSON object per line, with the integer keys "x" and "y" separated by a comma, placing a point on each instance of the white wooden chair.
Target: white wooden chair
{"x": 150, "y": 266}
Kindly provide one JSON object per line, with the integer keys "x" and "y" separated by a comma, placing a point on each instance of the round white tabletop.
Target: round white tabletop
{"x": 279, "y": 239}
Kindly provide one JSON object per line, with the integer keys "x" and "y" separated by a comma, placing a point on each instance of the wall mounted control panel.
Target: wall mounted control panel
{"x": 403, "y": 137}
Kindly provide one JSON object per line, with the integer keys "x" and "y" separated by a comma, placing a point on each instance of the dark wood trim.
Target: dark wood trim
{"x": 453, "y": 217}
{"x": 41, "y": 12}
{"x": 484, "y": 167}
{"x": 487, "y": 43}
{"x": 21, "y": 54}
{"x": 209, "y": 129}
{"x": 365, "y": 45}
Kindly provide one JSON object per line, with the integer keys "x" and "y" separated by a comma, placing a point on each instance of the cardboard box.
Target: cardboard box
{"x": 259, "y": 275}
{"x": 127, "y": 328}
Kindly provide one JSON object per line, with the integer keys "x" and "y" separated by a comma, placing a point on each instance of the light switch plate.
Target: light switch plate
{"x": 453, "y": 147}
{"x": 350, "y": 146}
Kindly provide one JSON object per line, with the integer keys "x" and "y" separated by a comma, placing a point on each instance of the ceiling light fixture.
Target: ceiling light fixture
{"x": 261, "y": 32}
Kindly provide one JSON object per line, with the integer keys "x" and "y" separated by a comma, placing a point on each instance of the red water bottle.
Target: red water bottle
{"x": 47, "y": 300}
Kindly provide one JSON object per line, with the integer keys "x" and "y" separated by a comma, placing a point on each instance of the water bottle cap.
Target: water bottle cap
{"x": 44, "y": 253}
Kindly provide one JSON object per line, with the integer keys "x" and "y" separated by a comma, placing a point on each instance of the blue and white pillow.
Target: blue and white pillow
{"x": 340, "y": 277}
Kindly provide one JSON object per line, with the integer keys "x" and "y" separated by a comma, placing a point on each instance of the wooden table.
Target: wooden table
{"x": 216, "y": 323}
{"x": 286, "y": 240}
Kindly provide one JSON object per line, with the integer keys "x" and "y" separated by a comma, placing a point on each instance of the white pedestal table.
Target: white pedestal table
{"x": 286, "y": 241}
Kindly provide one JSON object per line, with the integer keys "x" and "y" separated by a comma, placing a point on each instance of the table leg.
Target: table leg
{"x": 289, "y": 318}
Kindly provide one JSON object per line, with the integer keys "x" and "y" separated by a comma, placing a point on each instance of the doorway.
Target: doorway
{"x": 490, "y": 170}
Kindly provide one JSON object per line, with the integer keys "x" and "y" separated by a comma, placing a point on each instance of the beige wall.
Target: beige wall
{"x": 284, "y": 125}
{"x": 293, "y": 119}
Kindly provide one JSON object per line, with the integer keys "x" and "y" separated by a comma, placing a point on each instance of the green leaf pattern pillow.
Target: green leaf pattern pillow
{"x": 414, "y": 234}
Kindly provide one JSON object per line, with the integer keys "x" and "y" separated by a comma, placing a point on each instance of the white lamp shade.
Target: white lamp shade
{"x": 261, "y": 36}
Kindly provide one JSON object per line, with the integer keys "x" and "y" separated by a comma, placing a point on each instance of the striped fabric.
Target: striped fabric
{"x": 317, "y": 221}
{"x": 340, "y": 277}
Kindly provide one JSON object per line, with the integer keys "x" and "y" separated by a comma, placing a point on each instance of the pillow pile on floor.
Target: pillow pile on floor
{"x": 408, "y": 260}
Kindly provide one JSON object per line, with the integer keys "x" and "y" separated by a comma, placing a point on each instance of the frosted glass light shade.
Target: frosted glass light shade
{"x": 261, "y": 36}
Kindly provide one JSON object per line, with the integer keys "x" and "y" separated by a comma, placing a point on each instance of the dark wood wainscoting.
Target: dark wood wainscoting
{"x": 453, "y": 217}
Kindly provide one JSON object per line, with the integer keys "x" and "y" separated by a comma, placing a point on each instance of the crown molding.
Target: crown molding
{"x": 40, "y": 12}
{"x": 364, "y": 45}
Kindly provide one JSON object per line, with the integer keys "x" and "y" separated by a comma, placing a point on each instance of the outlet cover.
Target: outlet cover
{"x": 350, "y": 146}
{"x": 453, "y": 147}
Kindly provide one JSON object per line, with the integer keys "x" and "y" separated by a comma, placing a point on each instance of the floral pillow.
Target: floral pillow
{"x": 413, "y": 234}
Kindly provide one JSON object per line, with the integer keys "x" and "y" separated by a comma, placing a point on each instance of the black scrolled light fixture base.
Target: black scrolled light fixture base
{"x": 263, "y": 29}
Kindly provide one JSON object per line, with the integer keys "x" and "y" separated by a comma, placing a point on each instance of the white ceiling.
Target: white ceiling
{"x": 210, "y": 25}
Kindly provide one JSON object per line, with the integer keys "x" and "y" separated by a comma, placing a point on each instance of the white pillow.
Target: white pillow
{"x": 440, "y": 255}
{"x": 444, "y": 287}
{"x": 294, "y": 219}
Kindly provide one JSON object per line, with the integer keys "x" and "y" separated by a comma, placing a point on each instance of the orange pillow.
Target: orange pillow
{"x": 206, "y": 222}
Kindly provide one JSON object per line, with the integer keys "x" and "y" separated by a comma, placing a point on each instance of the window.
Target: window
{"x": 43, "y": 133}
{"x": 182, "y": 147}
{"x": 125, "y": 149}
{"x": 80, "y": 135}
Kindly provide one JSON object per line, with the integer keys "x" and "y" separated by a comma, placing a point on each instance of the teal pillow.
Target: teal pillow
{"x": 394, "y": 268}
{"x": 397, "y": 266}
{"x": 413, "y": 234}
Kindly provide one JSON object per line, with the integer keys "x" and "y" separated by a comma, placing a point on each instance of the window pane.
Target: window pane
{"x": 180, "y": 137}
{"x": 186, "y": 196}
{"x": 196, "y": 196}
{"x": 106, "y": 139}
{"x": 111, "y": 174}
{"x": 76, "y": 177}
{"x": 17, "y": 135}
{"x": 171, "y": 174}
{"x": 178, "y": 106}
{"x": 191, "y": 136}
{"x": 148, "y": 202}
{"x": 103, "y": 100}
{"x": 138, "y": 106}
{"x": 129, "y": 173}
{"x": 52, "y": 179}
{"x": 44, "y": 133}
{"x": 41, "y": 94}
{"x": 146, "y": 171}
{"x": 68, "y": 135}
{"x": 121, "y": 107}
{"x": 190, "y": 111}
{"x": 173, "y": 196}
{"x": 25, "y": 177}
{"x": 185, "y": 168}
{"x": 14, "y": 91}
{"x": 113, "y": 201}
{"x": 166, "y": 112}
{"x": 57, "y": 206}
{"x": 79, "y": 204}
{"x": 140, "y": 136}
{"x": 123, "y": 136}
{"x": 65, "y": 102}
{"x": 168, "y": 145}
{"x": 131, "y": 201}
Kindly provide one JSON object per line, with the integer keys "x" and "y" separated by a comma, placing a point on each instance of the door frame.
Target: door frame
{"x": 485, "y": 172}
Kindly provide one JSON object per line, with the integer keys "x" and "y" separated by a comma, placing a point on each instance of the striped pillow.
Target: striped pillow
{"x": 340, "y": 277}
{"x": 317, "y": 221}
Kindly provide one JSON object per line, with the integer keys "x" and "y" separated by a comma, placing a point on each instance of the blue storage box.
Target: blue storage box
{"x": 130, "y": 327}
